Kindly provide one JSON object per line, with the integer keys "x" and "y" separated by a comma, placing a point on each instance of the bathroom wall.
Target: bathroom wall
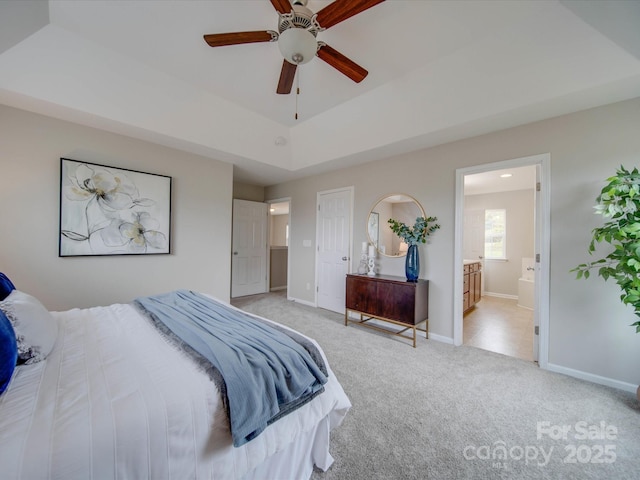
{"x": 278, "y": 268}
{"x": 501, "y": 276}
{"x": 278, "y": 230}
{"x": 278, "y": 253}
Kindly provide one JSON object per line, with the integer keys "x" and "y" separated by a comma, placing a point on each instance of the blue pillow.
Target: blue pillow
{"x": 8, "y": 352}
{"x": 5, "y": 286}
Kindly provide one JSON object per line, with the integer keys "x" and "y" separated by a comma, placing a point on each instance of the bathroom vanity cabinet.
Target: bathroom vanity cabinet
{"x": 472, "y": 284}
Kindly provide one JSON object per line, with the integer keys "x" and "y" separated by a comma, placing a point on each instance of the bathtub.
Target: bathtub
{"x": 526, "y": 284}
{"x": 525, "y": 292}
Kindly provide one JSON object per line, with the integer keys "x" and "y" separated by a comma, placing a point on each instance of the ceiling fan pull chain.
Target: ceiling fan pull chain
{"x": 297, "y": 91}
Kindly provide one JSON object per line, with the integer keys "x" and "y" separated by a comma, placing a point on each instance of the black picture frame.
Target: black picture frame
{"x": 108, "y": 210}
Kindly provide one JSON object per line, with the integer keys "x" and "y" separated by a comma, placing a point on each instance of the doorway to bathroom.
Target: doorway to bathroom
{"x": 279, "y": 222}
{"x": 498, "y": 238}
{"x": 501, "y": 212}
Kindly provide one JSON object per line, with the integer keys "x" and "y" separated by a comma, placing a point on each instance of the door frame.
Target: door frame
{"x": 543, "y": 235}
{"x": 279, "y": 200}
{"x": 350, "y": 190}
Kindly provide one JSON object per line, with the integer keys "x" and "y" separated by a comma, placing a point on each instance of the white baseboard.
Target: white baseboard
{"x": 420, "y": 333}
{"x": 302, "y": 302}
{"x": 590, "y": 377}
{"x": 440, "y": 338}
{"x": 523, "y": 306}
{"x": 277, "y": 289}
{"x": 500, "y": 295}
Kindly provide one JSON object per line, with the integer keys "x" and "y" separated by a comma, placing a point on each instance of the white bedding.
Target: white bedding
{"x": 115, "y": 400}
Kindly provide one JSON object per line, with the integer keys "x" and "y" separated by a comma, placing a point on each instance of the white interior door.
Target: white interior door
{"x": 249, "y": 248}
{"x": 334, "y": 245}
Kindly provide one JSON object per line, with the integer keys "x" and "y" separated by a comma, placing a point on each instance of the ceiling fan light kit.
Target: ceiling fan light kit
{"x": 297, "y": 46}
{"x": 298, "y": 28}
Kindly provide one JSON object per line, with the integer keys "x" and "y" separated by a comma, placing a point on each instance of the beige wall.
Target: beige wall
{"x": 278, "y": 268}
{"x": 501, "y": 277}
{"x": 30, "y": 150}
{"x": 589, "y": 327}
{"x": 278, "y": 230}
{"x": 243, "y": 191}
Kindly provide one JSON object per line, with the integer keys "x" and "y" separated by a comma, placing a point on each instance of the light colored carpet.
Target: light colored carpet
{"x": 444, "y": 412}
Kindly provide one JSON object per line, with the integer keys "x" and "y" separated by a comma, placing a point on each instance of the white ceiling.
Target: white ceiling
{"x": 506, "y": 180}
{"x": 438, "y": 71}
{"x": 279, "y": 208}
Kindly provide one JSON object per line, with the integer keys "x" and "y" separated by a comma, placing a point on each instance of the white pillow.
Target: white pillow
{"x": 36, "y": 329}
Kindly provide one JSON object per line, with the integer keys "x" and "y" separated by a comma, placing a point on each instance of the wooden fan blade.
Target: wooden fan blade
{"x": 287, "y": 74}
{"x": 236, "y": 38}
{"x": 340, "y": 10}
{"x": 282, "y": 6}
{"x": 341, "y": 63}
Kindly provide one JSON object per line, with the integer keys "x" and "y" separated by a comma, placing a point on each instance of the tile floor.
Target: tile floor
{"x": 501, "y": 326}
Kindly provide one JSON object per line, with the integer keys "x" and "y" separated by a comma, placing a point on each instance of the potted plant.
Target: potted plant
{"x": 619, "y": 204}
{"x": 412, "y": 236}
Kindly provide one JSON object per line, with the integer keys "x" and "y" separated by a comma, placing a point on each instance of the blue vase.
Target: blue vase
{"x": 412, "y": 264}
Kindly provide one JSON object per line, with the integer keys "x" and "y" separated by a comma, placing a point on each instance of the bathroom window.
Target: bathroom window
{"x": 495, "y": 234}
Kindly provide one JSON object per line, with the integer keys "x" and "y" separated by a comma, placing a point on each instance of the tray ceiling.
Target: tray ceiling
{"x": 438, "y": 71}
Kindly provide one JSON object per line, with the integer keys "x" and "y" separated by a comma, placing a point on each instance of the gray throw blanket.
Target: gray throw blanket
{"x": 264, "y": 373}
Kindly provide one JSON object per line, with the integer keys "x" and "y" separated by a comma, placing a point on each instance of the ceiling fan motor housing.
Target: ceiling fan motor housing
{"x": 298, "y": 31}
{"x": 299, "y": 17}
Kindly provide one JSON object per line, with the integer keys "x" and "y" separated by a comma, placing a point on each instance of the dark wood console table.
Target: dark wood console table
{"x": 390, "y": 299}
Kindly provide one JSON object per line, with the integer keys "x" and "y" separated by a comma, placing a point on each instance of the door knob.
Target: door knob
{"x": 345, "y": 259}
{"x": 235, "y": 253}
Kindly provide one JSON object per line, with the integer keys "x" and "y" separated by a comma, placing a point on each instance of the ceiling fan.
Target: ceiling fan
{"x": 297, "y": 30}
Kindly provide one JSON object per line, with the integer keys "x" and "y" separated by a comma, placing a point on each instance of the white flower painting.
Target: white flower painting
{"x": 112, "y": 211}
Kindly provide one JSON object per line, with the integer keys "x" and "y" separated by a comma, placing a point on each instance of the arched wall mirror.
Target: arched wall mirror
{"x": 400, "y": 207}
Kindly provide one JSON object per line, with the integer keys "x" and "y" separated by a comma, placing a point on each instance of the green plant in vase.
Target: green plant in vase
{"x": 619, "y": 203}
{"x": 422, "y": 229}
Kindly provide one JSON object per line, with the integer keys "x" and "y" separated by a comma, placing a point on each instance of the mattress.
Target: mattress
{"x": 116, "y": 399}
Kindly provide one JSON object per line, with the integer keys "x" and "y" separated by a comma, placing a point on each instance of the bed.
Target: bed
{"x": 105, "y": 393}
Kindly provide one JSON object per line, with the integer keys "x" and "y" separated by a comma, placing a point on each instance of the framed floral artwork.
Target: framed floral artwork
{"x": 113, "y": 211}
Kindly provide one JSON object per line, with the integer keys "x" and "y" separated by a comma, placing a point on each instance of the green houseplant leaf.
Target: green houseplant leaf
{"x": 619, "y": 204}
{"x": 418, "y": 233}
